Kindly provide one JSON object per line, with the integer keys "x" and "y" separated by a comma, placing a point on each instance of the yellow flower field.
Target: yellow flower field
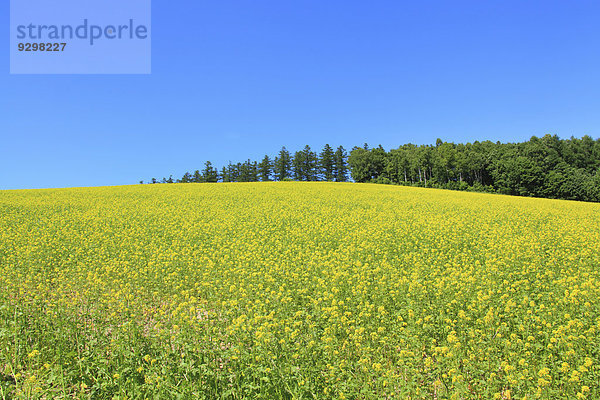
{"x": 298, "y": 291}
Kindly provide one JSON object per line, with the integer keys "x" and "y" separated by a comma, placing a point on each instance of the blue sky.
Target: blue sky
{"x": 233, "y": 80}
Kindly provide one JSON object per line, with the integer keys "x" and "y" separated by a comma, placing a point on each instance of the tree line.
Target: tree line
{"x": 541, "y": 167}
{"x": 304, "y": 165}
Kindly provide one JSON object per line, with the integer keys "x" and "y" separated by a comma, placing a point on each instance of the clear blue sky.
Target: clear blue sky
{"x": 233, "y": 80}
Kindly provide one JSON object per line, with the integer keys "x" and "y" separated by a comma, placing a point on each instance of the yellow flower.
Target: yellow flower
{"x": 324, "y": 280}
{"x": 543, "y": 382}
{"x": 33, "y": 354}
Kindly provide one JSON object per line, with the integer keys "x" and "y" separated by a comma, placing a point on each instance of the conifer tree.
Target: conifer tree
{"x": 283, "y": 165}
{"x": 209, "y": 174}
{"x": 310, "y": 164}
{"x": 326, "y": 163}
{"x": 186, "y": 178}
{"x": 265, "y": 169}
{"x": 253, "y": 171}
{"x": 224, "y": 175}
{"x": 340, "y": 165}
{"x": 299, "y": 166}
{"x": 197, "y": 178}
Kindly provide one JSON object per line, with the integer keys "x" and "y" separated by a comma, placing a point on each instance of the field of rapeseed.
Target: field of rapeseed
{"x": 299, "y": 291}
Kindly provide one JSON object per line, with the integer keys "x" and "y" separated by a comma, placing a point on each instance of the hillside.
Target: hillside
{"x": 297, "y": 290}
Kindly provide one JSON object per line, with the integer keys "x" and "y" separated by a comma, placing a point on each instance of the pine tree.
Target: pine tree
{"x": 224, "y": 175}
{"x": 241, "y": 175}
{"x": 310, "y": 164}
{"x": 186, "y": 178}
{"x": 209, "y": 174}
{"x": 298, "y": 165}
{"x": 326, "y": 163}
{"x": 244, "y": 171}
{"x": 265, "y": 169}
{"x": 340, "y": 170}
{"x": 197, "y": 178}
{"x": 232, "y": 172}
{"x": 283, "y": 165}
{"x": 253, "y": 171}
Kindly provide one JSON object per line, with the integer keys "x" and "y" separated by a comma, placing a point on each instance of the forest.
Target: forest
{"x": 547, "y": 167}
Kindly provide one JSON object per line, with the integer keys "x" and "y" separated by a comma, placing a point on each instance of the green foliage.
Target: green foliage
{"x": 340, "y": 165}
{"x": 209, "y": 174}
{"x": 541, "y": 167}
{"x": 305, "y": 164}
{"x": 327, "y": 163}
{"x": 265, "y": 169}
{"x": 283, "y": 165}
